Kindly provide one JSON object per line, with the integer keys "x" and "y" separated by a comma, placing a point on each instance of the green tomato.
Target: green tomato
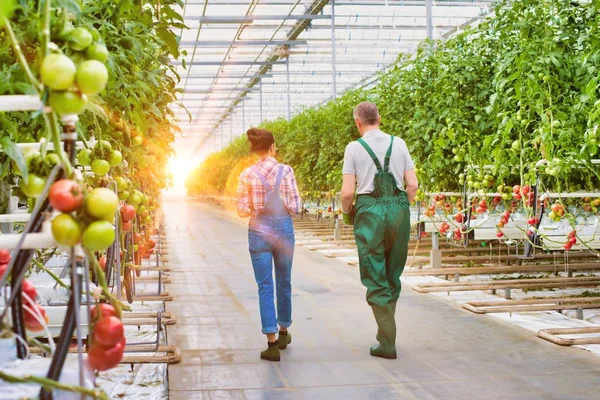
{"x": 115, "y": 158}
{"x": 104, "y": 145}
{"x": 64, "y": 103}
{"x": 137, "y": 141}
{"x": 98, "y": 236}
{"x": 148, "y": 220}
{"x": 458, "y": 158}
{"x": 66, "y": 230}
{"x": 84, "y": 157}
{"x": 477, "y": 185}
{"x": 58, "y": 72}
{"x": 97, "y": 52}
{"x": 100, "y": 167}
{"x": 121, "y": 184}
{"x": 516, "y": 145}
{"x": 506, "y": 196}
{"x": 34, "y": 186}
{"x": 134, "y": 200}
{"x": 80, "y": 39}
{"x": 124, "y": 195}
{"x": 102, "y": 203}
{"x": 91, "y": 77}
{"x": 145, "y": 199}
{"x": 52, "y": 159}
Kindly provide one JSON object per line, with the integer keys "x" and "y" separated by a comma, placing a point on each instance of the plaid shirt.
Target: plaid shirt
{"x": 251, "y": 193}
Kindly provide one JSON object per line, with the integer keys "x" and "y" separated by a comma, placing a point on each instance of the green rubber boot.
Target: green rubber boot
{"x": 272, "y": 352}
{"x": 284, "y": 339}
{"x": 386, "y": 333}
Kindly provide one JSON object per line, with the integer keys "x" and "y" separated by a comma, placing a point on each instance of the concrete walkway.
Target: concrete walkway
{"x": 444, "y": 352}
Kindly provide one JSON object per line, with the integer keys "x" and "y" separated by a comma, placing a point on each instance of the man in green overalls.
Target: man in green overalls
{"x": 381, "y": 171}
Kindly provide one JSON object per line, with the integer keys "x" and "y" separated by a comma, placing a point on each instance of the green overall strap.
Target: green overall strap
{"x": 388, "y": 154}
{"x": 370, "y": 151}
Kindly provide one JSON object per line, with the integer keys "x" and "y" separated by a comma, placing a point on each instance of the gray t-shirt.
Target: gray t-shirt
{"x": 359, "y": 163}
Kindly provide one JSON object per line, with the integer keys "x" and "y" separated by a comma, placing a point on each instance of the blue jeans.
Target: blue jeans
{"x": 271, "y": 241}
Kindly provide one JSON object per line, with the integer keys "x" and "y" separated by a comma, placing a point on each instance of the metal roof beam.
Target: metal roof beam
{"x": 233, "y": 19}
{"x": 225, "y": 63}
{"x": 220, "y": 43}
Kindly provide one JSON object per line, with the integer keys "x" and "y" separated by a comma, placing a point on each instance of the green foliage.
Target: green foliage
{"x": 136, "y": 101}
{"x": 519, "y": 87}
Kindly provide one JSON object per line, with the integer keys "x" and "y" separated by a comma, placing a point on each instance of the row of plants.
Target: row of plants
{"x": 480, "y": 109}
{"x": 108, "y": 63}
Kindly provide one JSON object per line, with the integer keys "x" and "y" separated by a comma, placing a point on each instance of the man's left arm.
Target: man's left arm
{"x": 347, "y": 194}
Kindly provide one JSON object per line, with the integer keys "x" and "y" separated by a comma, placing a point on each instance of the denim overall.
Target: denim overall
{"x": 271, "y": 241}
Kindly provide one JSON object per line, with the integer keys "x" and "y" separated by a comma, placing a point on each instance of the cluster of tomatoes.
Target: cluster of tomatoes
{"x": 145, "y": 247}
{"x": 108, "y": 339}
{"x": 71, "y": 82}
{"x": 101, "y": 158}
{"x": 557, "y": 211}
{"x": 35, "y": 316}
{"x": 444, "y": 228}
{"x": 571, "y": 240}
{"x": 86, "y": 219}
{"x": 38, "y": 167}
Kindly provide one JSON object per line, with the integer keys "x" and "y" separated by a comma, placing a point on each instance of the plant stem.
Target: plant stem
{"x": 53, "y": 124}
{"x": 52, "y": 274}
{"x": 17, "y": 49}
{"x": 52, "y": 384}
{"x": 102, "y": 281}
{"x": 46, "y": 28}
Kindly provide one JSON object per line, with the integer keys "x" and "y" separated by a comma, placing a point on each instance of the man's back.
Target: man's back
{"x": 358, "y": 162}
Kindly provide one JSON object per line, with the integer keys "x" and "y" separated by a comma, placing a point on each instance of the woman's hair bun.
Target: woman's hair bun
{"x": 260, "y": 139}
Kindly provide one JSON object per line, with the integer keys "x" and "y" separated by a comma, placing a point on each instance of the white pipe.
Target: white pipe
{"x": 21, "y": 217}
{"x": 44, "y": 239}
{"x": 22, "y": 103}
{"x": 49, "y": 146}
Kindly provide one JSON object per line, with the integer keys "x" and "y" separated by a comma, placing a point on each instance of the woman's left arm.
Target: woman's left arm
{"x": 292, "y": 195}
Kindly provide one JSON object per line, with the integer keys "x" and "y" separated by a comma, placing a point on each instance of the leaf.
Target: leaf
{"x": 170, "y": 40}
{"x": 13, "y": 152}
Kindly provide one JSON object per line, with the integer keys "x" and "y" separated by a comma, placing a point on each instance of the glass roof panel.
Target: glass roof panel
{"x": 236, "y": 62}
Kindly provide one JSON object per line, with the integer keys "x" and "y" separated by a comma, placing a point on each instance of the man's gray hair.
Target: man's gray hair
{"x": 367, "y": 113}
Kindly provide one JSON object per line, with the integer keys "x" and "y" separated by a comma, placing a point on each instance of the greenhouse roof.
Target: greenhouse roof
{"x": 254, "y": 60}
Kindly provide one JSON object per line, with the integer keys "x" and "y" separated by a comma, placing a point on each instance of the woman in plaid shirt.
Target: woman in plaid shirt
{"x": 267, "y": 193}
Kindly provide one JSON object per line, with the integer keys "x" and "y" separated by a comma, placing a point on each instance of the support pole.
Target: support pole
{"x": 287, "y": 70}
{"x": 261, "y": 102}
{"x": 243, "y": 116}
{"x": 429, "y": 18}
{"x": 333, "y": 67}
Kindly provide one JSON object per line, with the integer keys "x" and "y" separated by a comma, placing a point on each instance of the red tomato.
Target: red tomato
{"x": 4, "y": 256}
{"x": 31, "y": 323}
{"x": 102, "y": 359}
{"x": 499, "y": 234}
{"x": 108, "y": 331}
{"x": 127, "y": 212}
{"x": 29, "y": 289}
{"x": 106, "y": 310}
{"x": 66, "y": 195}
{"x": 516, "y": 189}
{"x": 556, "y": 208}
{"x": 102, "y": 262}
{"x": 127, "y": 226}
{"x": 151, "y": 243}
{"x": 137, "y": 238}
